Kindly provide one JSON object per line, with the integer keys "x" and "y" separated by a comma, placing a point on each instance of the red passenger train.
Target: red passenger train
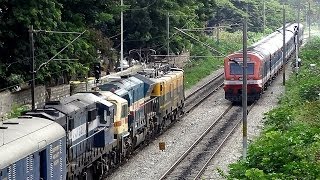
{"x": 263, "y": 64}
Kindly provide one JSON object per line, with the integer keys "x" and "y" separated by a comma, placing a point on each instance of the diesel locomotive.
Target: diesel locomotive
{"x": 263, "y": 63}
{"x": 85, "y": 135}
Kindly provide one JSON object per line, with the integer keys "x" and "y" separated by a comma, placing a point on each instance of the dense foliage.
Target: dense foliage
{"x": 289, "y": 146}
{"x": 144, "y": 27}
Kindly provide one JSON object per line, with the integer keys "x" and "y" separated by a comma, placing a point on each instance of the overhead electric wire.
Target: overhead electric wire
{"x": 170, "y": 38}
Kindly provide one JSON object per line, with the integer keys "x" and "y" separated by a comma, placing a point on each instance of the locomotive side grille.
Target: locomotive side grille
{"x": 14, "y": 171}
{"x": 60, "y": 146}
{"x": 51, "y": 170}
{"x": 31, "y": 162}
{"x": 27, "y": 164}
{"x": 50, "y": 151}
{"x": 9, "y": 173}
{"x": 61, "y": 170}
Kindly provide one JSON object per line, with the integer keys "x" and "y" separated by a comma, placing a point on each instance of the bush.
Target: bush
{"x": 17, "y": 110}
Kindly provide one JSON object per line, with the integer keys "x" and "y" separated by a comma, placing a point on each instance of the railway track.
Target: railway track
{"x": 198, "y": 96}
{"x": 196, "y": 158}
{"x": 192, "y": 101}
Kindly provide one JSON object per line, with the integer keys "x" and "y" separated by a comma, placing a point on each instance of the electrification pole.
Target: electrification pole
{"x": 297, "y": 37}
{"x": 168, "y": 35}
{"x": 309, "y": 21}
{"x": 284, "y": 45}
{"x": 121, "y": 53}
{"x": 32, "y": 67}
{"x": 264, "y": 16}
{"x": 218, "y": 33}
{"x": 244, "y": 86}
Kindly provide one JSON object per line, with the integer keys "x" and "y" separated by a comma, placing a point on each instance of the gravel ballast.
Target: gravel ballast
{"x": 150, "y": 163}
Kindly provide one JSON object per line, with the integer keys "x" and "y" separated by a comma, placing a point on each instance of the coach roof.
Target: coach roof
{"x": 24, "y": 136}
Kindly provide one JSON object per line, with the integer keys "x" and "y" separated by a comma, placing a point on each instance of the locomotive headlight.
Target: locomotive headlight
{"x": 240, "y": 78}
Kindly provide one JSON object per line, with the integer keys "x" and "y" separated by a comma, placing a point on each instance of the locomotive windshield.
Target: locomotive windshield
{"x": 236, "y": 69}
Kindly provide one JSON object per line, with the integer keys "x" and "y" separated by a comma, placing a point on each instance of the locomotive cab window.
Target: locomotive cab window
{"x": 124, "y": 111}
{"x": 92, "y": 114}
{"x": 107, "y": 118}
{"x": 71, "y": 124}
{"x": 236, "y": 69}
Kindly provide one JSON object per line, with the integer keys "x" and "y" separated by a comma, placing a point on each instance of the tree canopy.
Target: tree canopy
{"x": 145, "y": 26}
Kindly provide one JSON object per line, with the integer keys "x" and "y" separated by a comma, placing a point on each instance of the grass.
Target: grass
{"x": 197, "y": 70}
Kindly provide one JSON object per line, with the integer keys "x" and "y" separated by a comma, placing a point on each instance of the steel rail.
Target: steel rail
{"x": 205, "y": 85}
{"x": 221, "y": 145}
{"x": 202, "y": 93}
{"x": 177, "y": 162}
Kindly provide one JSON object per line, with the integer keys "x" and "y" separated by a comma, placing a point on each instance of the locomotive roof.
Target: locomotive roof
{"x": 109, "y": 86}
{"x": 91, "y": 99}
{"x": 109, "y": 95}
{"x": 123, "y": 83}
{"x": 148, "y": 84}
{"x": 130, "y": 83}
{"x": 136, "y": 80}
{"x": 24, "y": 136}
{"x": 49, "y": 113}
{"x": 69, "y": 105}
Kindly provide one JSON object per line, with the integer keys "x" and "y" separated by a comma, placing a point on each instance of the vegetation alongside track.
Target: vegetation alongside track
{"x": 289, "y": 147}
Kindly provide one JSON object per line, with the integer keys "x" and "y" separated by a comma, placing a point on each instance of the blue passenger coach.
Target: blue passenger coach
{"x": 32, "y": 148}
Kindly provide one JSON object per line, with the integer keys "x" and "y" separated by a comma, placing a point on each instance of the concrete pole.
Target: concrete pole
{"x": 121, "y": 53}
{"x": 284, "y": 45}
{"x": 32, "y": 67}
{"x": 244, "y": 88}
{"x": 218, "y": 33}
{"x": 297, "y": 43}
{"x": 264, "y": 16}
{"x": 168, "y": 35}
{"x": 297, "y": 39}
{"x": 306, "y": 16}
{"x": 309, "y": 19}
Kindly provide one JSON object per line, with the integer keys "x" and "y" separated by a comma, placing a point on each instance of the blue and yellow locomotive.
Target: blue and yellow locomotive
{"x": 85, "y": 135}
